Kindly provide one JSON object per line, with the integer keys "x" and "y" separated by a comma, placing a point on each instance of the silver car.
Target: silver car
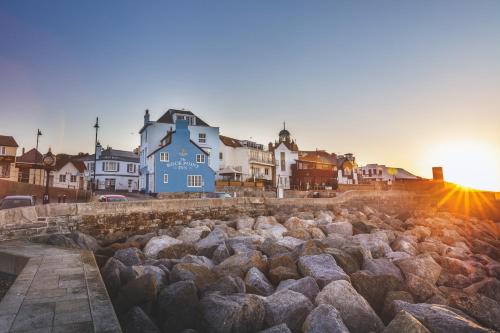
{"x": 14, "y": 201}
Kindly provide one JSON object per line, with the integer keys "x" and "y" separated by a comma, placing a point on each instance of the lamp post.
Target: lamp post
{"x": 96, "y": 126}
{"x": 49, "y": 161}
{"x": 38, "y": 134}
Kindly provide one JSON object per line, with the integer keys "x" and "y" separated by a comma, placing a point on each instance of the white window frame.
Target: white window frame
{"x": 131, "y": 168}
{"x": 194, "y": 181}
{"x": 62, "y": 178}
{"x": 3, "y": 150}
{"x": 164, "y": 156}
{"x": 200, "y": 158}
{"x": 202, "y": 137}
{"x": 107, "y": 168}
{"x": 71, "y": 177}
{"x": 165, "y": 178}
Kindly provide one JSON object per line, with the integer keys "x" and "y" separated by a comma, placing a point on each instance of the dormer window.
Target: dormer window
{"x": 202, "y": 138}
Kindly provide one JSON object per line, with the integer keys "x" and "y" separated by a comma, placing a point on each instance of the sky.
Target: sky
{"x": 401, "y": 83}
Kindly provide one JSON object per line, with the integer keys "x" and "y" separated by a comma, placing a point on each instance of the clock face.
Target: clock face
{"x": 48, "y": 160}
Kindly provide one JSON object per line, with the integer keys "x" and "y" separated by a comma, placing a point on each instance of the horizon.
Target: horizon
{"x": 410, "y": 85}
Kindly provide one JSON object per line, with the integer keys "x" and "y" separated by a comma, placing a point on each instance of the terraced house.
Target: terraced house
{"x": 8, "y": 150}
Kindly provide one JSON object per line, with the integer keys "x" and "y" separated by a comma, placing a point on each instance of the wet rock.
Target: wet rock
{"x": 227, "y": 285}
{"x": 287, "y": 307}
{"x": 405, "y": 322}
{"x": 257, "y": 283}
{"x": 158, "y": 243}
{"x": 485, "y": 310}
{"x": 237, "y": 313}
{"x": 277, "y": 329}
{"x": 138, "y": 291}
{"x": 177, "y": 251}
{"x": 324, "y": 319}
{"x": 130, "y": 256}
{"x": 137, "y": 321}
{"x": 355, "y": 311}
{"x": 199, "y": 274}
{"x": 177, "y": 306}
{"x": 423, "y": 266}
{"x": 206, "y": 246}
{"x": 193, "y": 235}
{"x": 306, "y": 286}
{"x": 322, "y": 268}
{"x": 239, "y": 264}
{"x": 374, "y": 287}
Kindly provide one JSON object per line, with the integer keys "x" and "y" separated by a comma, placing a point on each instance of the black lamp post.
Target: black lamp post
{"x": 49, "y": 161}
{"x": 96, "y": 126}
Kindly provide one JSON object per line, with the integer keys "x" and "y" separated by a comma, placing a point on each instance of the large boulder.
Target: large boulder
{"x": 141, "y": 290}
{"x": 287, "y": 307}
{"x": 282, "y": 267}
{"x": 342, "y": 228}
{"x": 441, "y": 318}
{"x": 382, "y": 266}
{"x": 388, "y": 311}
{"x": 237, "y": 313}
{"x": 405, "y": 244}
{"x": 485, "y": 310}
{"x": 374, "y": 287}
{"x": 193, "y": 235}
{"x": 111, "y": 275}
{"x": 142, "y": 240}
{"x": 239, "y": 264}
{"x": 282, "y": 328}
{"x": 324, "y": 319}
{"x": 85, "y": 241}
{"x": 267, "y": 226}
{"x": 177, "y": 251}
{"x": 158, "y": 243}
{"x": 377, "y": 243}
{"x": 489, "y": 287}
{"x": 221, "y": 253}
{"x": 227, "y": 285}
{"x": 257, "y": 283}
{"x": 405, "y": 322}
{"x": 177, "y": 306}
{"x": 355, "y": 311}
{"x": 245, "y": 223}
{"x": 295, "y": 223}
{"x": 345, "y": 260}
{"x": 421, "y": 289}
{"x": 199, "y": 274}
{"x": 306, "y": 286}
{"x": 130, "y": 256}
{"x": 322, "y": 268}
{"x": 137, "y": 321}
{"x": 161, "y": 276}
{"x": 423, "y": 266}
{"x": 206, "y": 246}
{"x": 200, "y": 260}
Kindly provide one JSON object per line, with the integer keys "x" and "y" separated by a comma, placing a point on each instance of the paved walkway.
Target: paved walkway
{"x": 57, "y": 290}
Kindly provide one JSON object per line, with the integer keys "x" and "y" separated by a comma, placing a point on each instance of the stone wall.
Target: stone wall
{"x": 100, "y": 219}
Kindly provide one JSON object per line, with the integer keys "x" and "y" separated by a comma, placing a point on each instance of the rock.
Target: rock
{"x": 306, "y": 286}
{"x": 257, "y": 283}
{"x": 456, "y": 266}
{"x": 277, "y": 329}
{"x": 200, "y": 260}
{"x": 301, "y": 234}
{"x": 239, "y": 264}
{"x": 267, "y": 226}
{"x": 202, "y": 223}
{"x": 245, "y": 222}
{"x": 221, "y": 253}
{"x": 111, "y": 275}
{"x": 130, "y": 256}
{"x": 85, "y": 241}
{"x": 142, "y": 240}
{"x": 355, "y": 311}
{"x": 227, "y": 285}
{"x": 281, "y": 273}
{"x": 206, "y": 246}
{"x": 324, "y": 319}
{"x": 404, "y": 244}
{"x": 178, "y": 306}
{"x": 158, "y": 274}
{"x": 158, "y": 243}
{"x": 334, "y": 241}
{"x": 56, "y": 240}
{"x": 440, "y": 318}
{"x": 316, "y": 233}
{"x": 388, "y": 311}
{"x": 485, "y": 310}
{"x": 114, "y": 237}
{"x": 199, "y": 274}
{"x": 431, "y": 246}
{"x": 295, "y": 223}
{"x": 346, "y": 261}
{"x": 419, "y": 232}
{"x": 489, "y": 287}
{"x": 405, "y": 322}
{"x": 271, "y": 248}
{"x": 420, "y": 288}
{"x": 137, "y": 321}
{"x": 138, "y": 291}
{"x": 177, "y": 251}
{"x": 374, "y": 287}
{"x": 341, "y": 228}
{"x": 237, "y": 313}
{"x": 377, "y": 243}
{"x": 290, "y": 243}
{"x": 423, "y": 266}
{"x": 242, "y": 244}
{"x": 193, "y": 235}
{"x": 322, "y": 268}
{"x": 287, "y": 307}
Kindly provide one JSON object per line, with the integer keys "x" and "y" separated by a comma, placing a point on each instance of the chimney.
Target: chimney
{"x": 98, "y": 150}
{"x": 23, "y": 151}
{"x": 146, "y": 117}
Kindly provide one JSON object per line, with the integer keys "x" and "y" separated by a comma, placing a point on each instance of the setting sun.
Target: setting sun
{"x": 471, "y": 164}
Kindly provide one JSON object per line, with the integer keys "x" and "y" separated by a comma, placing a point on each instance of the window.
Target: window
{"x": 266, "y": 171}
{"x": 73, "y": 178}
{"x": 282, "y": 159}
{"x": 165, "y": 178}
{"x": 2, "y": 150}
{"x": 110, "y": 166}
{"x": 202, "y": 138}
{"x": 194, "y": 181}
{"x": 200, "y": 158}
{"x": 62, "y": 178}
{"x": 91, "y": 166}
{"x": 221, "y": 157}
{"x": 131, "y": 168}
{"x": 164, "y": 157}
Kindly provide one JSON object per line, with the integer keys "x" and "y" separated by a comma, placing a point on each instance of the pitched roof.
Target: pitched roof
{"x": 115, "y": 154}
{"x": 8, "y": 141}
{"x": 168, "y": 142}
{"x": 230, "y": 142}
{"x": 31, "y": 156}
{"x": 318, "y": 156}
{"x": 63, "y": 159}
{"x": 168, "y": 117}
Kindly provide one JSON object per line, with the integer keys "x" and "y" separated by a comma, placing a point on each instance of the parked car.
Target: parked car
{"x": 112, "y": 198}
{"x": 14, "y": 201}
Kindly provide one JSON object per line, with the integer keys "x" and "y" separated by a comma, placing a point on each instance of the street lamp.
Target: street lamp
{"x": 49, "y": 161}
{"x": 96, "y": 126}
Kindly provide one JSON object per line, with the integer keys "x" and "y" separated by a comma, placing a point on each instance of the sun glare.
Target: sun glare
{"x": 469, "y": 163}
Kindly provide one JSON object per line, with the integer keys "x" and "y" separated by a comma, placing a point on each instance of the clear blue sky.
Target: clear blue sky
{"x": 385, "y": 80}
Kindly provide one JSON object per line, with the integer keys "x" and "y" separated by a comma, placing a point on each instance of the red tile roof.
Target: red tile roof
{"x": 230, "y": 142}
{"x": 31, "y": 156}
{"x": 8, "y": 141}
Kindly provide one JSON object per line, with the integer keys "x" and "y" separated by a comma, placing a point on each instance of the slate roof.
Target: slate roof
{"x": 62, "y": 160}
{"x": 115, "y": 154}
{"x": 31, "y": 156}
{"x": 319, "y": 156}
{"x": 8, "y": 141}
{"x": 169, "y": 119}
{"x": 230, "y": 142}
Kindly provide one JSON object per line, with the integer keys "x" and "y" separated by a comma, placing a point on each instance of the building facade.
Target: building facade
{"x": 382, "y": 173}
{"x": 180, "y": 164}
{"x": 347, "y": 169}
{"x": 8, "y": 152}
{"x": 152, "y": 132}
{"x": 314, "y": 170}
{"x": 30, "y": 168}
{"x": 244, "y": 160}
{"x": 285, "y": 152}
{"x": 69, "y": 173}
{"x": 116, "y": 170}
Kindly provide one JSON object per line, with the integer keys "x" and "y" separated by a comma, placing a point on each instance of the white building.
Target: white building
{"x": 69, "y": 173}
{"x": 117, "y": 170}
{"x": 285, "y": 153}
{"x": 202, "y": 134}
{"x": 347, "y": 169}
{"x": 244, "y": 160}
{"x": 378, "y": 172}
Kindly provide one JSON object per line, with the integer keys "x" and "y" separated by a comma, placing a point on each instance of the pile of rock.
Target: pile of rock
{"x": 344, "y": 270}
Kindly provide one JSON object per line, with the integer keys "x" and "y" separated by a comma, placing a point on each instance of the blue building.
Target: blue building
{"x": 180, "y": 165}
